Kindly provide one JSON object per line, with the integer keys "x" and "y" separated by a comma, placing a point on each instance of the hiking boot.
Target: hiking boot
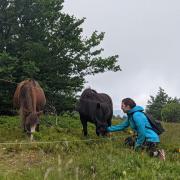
{"x": 161, "y": 154}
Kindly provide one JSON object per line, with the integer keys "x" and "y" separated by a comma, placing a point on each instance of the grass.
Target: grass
{"x": 72, "y": 158}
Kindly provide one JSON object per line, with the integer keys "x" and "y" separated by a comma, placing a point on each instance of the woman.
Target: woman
{"x": 146, "y": 137}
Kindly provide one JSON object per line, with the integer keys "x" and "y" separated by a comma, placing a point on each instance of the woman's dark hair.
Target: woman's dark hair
{"x": 129, "y": 102}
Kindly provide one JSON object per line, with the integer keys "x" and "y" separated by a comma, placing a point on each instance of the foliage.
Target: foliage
{"x": 155, "y": 104}
{"x": 7, "y": 64}
{"x": 38, "y": 40}
{"x": 171, "y": 112}
{"x": 78, "y": 158}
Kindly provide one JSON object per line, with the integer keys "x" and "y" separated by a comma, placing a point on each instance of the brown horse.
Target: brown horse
{"x": 29, "y": 98}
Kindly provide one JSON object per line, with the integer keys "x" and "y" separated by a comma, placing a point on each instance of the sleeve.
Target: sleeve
{"x": 139, "y": 120}
{"x": 119, "y": 127}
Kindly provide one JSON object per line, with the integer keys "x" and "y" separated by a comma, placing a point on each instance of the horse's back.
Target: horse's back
{"x": 106, "y": 98}
{"x": 16, "y": 98}
{"x": 29, "y": 90}
{"x": 40, "y": 98}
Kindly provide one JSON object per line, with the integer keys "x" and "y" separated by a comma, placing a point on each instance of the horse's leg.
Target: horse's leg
{"x": 23, "y": 120}
{"x": 97, "y": 132}
{"x": 84, "y": 124}
{"x": 24, "y": 123}
{"x": 37, "y": 127}
{"x": 109, "y": 121}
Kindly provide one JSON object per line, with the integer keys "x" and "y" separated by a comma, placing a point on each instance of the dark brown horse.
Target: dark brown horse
{"x": 29, "y": 98}
{"x": 96, "y": 108}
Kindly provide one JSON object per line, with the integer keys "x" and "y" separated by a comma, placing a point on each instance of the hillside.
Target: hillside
{"x": 117, "y": 112}
{"x": 61, "y": 152}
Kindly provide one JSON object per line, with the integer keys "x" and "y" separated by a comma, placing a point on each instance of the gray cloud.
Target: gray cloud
{"x": 145, "y": 35}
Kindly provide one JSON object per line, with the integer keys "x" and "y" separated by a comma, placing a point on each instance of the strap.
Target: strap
{"x": 147, "y": 119}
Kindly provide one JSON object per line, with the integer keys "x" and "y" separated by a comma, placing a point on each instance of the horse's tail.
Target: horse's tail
{"x": 33, "y": 94}
{"x": 16, "y": 98}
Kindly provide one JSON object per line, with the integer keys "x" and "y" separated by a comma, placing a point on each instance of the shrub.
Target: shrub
{"x": 171, "y": 112}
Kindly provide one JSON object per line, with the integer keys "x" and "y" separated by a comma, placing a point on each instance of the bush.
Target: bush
{"x": 171, "y": 112}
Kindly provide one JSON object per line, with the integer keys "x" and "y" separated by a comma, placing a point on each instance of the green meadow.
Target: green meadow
{"x": 60, "y": 151}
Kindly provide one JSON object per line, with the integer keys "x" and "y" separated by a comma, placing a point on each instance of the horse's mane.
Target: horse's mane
{"x": 91, "y": 94}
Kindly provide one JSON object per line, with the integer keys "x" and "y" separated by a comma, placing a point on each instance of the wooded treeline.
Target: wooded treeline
{"x": 40, "y": 41}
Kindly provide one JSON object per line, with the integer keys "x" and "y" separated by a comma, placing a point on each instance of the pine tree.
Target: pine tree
{"x": 155, "y": 104}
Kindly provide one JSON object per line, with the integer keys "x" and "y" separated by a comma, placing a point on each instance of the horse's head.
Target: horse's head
{"x": 32, "y": 122}
{"x": 101, "y": 128}
{"x": 101, "y": 120}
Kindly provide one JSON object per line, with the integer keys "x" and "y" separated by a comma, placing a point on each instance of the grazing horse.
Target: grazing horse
{"x": 96, "y": 108}
{"x": 29, "y": 98}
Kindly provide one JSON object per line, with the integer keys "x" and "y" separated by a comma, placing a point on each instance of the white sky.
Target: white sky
{"x": 146, "y": 36}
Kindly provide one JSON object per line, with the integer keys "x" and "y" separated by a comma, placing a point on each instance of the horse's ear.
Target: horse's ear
{"x": 39, "y": 113}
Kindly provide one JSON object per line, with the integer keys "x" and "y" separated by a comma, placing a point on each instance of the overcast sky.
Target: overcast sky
{"x": 146, "y": 36}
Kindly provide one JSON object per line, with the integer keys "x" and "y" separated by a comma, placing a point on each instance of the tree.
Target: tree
{"x": 38, "y": 40}
{"x": 155, "y": 104}
{"x": 171, "y": 112}
{"x": 7, "y": 64}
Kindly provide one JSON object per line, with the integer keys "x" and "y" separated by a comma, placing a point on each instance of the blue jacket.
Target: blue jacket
{"x": 139, "y": 124}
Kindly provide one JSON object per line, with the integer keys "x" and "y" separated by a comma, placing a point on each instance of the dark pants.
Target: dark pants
{"x": 150, "y": 147}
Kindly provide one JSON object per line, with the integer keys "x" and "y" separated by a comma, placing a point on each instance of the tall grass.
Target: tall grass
{"x": 102, "y": 158}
